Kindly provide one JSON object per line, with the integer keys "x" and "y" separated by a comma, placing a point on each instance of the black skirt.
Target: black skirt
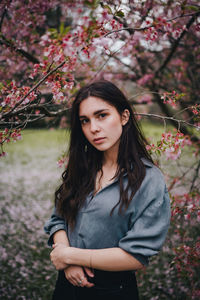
{"x": 107, "y": 286}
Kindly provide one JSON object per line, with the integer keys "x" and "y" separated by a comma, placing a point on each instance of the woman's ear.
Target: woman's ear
{"x": 125, "y": 116}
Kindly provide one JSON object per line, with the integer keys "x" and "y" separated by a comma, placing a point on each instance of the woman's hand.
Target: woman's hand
{"x": 76, "y": 276}
{"x": 59, "y": 255}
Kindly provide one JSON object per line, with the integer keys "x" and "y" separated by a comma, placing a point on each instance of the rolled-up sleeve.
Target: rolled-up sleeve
{"x": 54, "y": 224}
{"x": 148, "y": 231}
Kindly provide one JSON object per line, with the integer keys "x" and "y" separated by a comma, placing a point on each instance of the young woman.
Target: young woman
{"x": 112, "y": 210}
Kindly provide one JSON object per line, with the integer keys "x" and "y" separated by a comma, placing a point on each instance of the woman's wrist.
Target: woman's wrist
{"x": 77, "y": 256}
{"x": 60, "y": 237}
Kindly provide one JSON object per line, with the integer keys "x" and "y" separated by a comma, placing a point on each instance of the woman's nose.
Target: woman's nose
{"x": 94, "y": 126}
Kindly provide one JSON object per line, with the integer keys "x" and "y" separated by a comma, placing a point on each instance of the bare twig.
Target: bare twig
{"x": 182, "y": 176}
{"x": 196, "y": 175}
{"x": 167, "y": 118}
{"x": 181, "y": 111}
{"x": 128, "y": 29}
{"x": 105, "y": 63}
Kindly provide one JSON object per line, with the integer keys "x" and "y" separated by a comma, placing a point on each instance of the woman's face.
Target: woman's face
{"x": 101, "y": 123}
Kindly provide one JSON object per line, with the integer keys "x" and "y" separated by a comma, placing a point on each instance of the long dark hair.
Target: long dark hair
{"x": 80, "y": 174}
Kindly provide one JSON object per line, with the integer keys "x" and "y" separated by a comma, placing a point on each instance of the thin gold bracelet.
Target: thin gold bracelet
{"x": 91, "y": 259}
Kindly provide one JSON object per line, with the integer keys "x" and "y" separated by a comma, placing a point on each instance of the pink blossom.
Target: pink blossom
{"x": 172, "y": 154}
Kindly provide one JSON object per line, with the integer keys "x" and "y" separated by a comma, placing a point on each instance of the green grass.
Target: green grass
{"x": 41, "y": 141}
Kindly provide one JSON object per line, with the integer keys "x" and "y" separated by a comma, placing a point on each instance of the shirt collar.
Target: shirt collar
{"x": 147, "y": 162}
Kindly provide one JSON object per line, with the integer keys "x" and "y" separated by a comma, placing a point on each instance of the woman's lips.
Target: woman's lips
{"x": 99, "y": 140}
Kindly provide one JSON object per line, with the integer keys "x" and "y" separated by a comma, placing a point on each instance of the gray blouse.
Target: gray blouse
{"x": 141, "y": 230}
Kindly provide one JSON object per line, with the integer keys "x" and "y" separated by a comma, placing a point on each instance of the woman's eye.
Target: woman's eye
{"x": 102, "y": 116}
{"x": 84, "y": 121}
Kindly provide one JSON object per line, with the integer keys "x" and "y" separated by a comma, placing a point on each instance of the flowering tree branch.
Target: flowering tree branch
{"x": 131, "y": 30}
{"x": 6, "y": 114}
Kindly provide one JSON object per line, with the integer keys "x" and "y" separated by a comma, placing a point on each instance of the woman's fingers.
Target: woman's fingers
{"x": 80, "y": 281}
{"x": 89, "y": 271}
{"x": 75, "y": 275}
{"x": 71, "y": 279}
{"x": 83, "y": 282}
{"x": 75, "y": 281}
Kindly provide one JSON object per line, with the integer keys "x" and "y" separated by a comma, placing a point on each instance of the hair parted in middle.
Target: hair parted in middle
{"x": 80, "y": 174}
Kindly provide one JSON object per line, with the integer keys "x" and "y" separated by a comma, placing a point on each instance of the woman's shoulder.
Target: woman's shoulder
{"x": 151, "y": 166}
{"x": 154, "y": 175}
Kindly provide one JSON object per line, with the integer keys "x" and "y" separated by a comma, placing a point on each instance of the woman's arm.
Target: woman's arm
{"x": 109, "y": 259}
{"x": 55, "y": 224}
{"x": 60, "y": 237}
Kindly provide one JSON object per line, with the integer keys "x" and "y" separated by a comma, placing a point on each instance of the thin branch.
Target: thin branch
{"x": 46, "y": 113}
{"x": 181, "y": 177}
{"x": 167, "y": 118}
{"x": 128, "y": 29}
{"x": 2, "y": 17}
{"x": 181, "y": 111}
{"x": 195, "y": 176}
{"x": 20, "y": 124}
{"x": 105, "y": 63}
{"x": 182, "y": 16}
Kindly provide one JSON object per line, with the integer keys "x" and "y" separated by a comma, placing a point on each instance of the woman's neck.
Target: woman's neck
{"x": 110, "y": 158}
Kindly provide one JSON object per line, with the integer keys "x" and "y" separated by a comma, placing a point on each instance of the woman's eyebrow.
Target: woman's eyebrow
{"x": 95, "y": 113}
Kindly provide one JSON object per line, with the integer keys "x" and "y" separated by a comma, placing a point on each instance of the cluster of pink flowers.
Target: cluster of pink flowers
{"x": 171, "y": 97}
{"x": 185, "y": 215}
{"x": 154, "y": 27}
{"x": 186, "y": 205}
{"x": 170, "y": 144}
{"x": 36, "y": 69}
{"x": 187, "y": 258}
{"x": 196, "y": 109}
{"x": 151, "y": 34}
{"x": 62, "y": 161}
{"x": 7, "y": 136}
{"x": 13, "y": 94}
